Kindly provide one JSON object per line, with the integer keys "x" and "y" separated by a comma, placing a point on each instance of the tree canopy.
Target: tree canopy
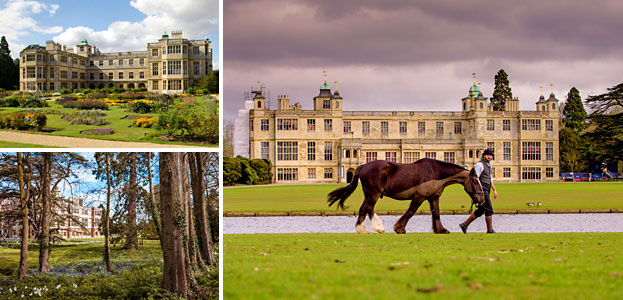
{"x": 9, "y": 69}
{"x": 501, "y": 92}
{"x": 605, "y": 133}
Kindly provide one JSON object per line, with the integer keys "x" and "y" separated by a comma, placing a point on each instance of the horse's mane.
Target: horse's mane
{"x": 444, "y": 168}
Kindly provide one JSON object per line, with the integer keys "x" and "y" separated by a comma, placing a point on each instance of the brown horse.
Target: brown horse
{"x": 422, "y": 180}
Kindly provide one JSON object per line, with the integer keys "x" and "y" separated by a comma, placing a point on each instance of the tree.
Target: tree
{"x": 209, "y": 83}
{"x": 204, "y": 236}
{"x": 573, "y": 114}
{"x": 23, "y": 258}
{"x": 9, "y": 71}
{"x": 152, "y": 206}
{"x": 228, "y": 139}
{"x": 44, "y": 238}
{"x": 131, "y": 241}
{"x": 606, "y": 139}
{"x": 107, "y": 217}
{"x": 501, "y": 92}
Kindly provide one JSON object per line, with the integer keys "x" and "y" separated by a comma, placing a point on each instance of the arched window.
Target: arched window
{"x": 553, "y": 105}
{"x": 259, "y": 104}
{"x": 464, "y": 105}
{"x": 477, "y": 153}
{"x": 471, "y": 153}
{"x": 354, "y": 153}
{"x": 543, "y": 108}
{"x": 337, "y": 104}
{"x": 347, "y": 153}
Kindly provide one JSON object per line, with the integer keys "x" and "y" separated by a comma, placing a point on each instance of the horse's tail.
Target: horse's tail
{"x": 343, "y": 193}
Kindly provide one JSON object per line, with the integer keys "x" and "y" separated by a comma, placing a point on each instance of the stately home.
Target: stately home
{"x": 85, "y": 223}
{"x": 326, "y": 144}
{"x": 170, "y": 65}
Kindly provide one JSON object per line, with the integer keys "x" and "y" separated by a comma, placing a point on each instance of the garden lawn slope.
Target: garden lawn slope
{"x": 455, "y": 266}
{"x": 572, "y": 195}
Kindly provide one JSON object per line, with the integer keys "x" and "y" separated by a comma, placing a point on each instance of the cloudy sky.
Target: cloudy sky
{"x": 112, "y": 25}
{"x": 419, "y": 55}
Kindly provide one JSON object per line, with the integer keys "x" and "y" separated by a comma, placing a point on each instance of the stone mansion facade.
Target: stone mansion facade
{"x": 170, "y": 65}
{"x": 326, "y": 144}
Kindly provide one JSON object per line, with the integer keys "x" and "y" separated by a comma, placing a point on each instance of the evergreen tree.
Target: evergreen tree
{"x": 606, "y": 139}
{"x": 501, "y": 92}
{"x": 574, "y": 115}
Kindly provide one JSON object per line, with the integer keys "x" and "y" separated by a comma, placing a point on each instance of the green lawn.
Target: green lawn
{"x": 124, "y": 127}
{"x": 4, "y": 144}
{"x": 572, "y": 195}
{"x": 455, "y": 266}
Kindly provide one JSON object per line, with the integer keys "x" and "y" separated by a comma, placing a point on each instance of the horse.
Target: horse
{"x": 422, "y": 180}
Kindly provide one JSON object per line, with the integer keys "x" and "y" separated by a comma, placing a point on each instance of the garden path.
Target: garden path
{"x": 72, "y": 142}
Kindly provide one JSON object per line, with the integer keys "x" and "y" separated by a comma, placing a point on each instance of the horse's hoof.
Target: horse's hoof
{"x": 399, "y": 230}
{"x": 376, "y": 224}
{"x": 443, "y": 231}
{"x": 361, "y": 228}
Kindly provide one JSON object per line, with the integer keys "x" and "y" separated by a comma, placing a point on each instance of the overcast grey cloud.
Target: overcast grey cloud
{"x": 419, "y": 55}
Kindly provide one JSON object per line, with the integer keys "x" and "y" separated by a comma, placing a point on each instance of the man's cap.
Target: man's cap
{"x": 487, "y": 152}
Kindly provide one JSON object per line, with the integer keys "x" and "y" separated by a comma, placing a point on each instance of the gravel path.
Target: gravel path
{"x": 610, "y": 222}
{"x": 73, "y": 142}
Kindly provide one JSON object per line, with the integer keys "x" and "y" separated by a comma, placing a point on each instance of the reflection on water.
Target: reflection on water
{"x": 607, "y": 222}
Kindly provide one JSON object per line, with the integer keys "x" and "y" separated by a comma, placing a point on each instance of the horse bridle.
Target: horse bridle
{"x": 471, "y": 208}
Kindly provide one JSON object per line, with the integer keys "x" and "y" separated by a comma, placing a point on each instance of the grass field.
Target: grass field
{"x": 559, "y": 195}
{"x": 138, "y": 274}
{"x": 4, "y": 144}
{"x": 123, "y": 127}
{"x": 455, "y": 266}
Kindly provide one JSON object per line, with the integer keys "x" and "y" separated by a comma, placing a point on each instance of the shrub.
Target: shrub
{"x": 64, "y": 91}
{"x": 95, "y": 95}
{"x": 33, "y": 102}
{"x": 85, "y": 104}
{"x": 190, "y": 120}
{"x": 242, "y": 170}
{"x": 90, "y": 117}
{"x": 140, "y": 107}
{"x": 133, "y": 96}
{"x": 146, "y": 122}
{"x": 21, "y": 120}
{"x": 10, "y": 101}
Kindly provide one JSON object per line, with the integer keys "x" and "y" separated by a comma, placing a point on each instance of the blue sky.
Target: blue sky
{"x": 114, "y": 25}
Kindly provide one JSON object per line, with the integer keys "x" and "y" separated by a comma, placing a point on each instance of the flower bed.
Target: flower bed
{"x": 146, "y": 122}
{"x": 84, "y": 104}
{"x": 21, "y": 120}
{"x": 98, "y": 131}
{"x": 89, "y": 117}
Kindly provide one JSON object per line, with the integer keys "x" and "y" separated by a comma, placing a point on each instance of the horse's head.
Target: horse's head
{"x": 474, "y": 189}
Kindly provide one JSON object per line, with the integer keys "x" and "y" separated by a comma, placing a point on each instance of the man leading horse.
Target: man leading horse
{"x": 483, "y": 171}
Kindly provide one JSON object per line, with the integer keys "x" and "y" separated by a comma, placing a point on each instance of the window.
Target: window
{"x": 154, "y": 52}
{"x": 91, "y": 76}
{"x": 287, "y": 174}
{"x": 439, "y": 129}
{"x": 131, "y": 75}
{"x": 370, "y": 156}
{"x": 74, "y": 75}
{"x": 549, "y": 125}
{"x": 74, "y": 61}
{"x": 491, "y": 146}
{"x": 365, "y": 127}
{"x": 155, "y": 85}
{"x": 64, "y": 74}
{"x": 390, "y": 156}
{"x": 328, "y": 124}
{"x": 421, "y": 128}
{"x": 384, "y": 127}
{"x": 328, "y": 150}
{"x": 347, "y": 128}
{"x": 506, "y": 172}
{"x": 110, "y": 62}
{"x": 120, "y": 75}
{"x": 530, "y": 173}
{"x": 110, "y": 75}
{"x": 141, "y": 75}
{"x": 311, "y": 125}
{"x": 457, "y": 128}
{"x": 411, "y": 157}
{"x": 195, "y": 51}
{"x": 490, "y": 125}
{"x": 530, "y": 124}
{"x": 265, "y": 150}
{"x": 91, "y": 63}
{"x": 507, "y": 150}
{"x": 83, "y": 75}
{"x": 432, "y": 155}
{"x": 531, "y": 150}
{"x": 64, "y": 59}
{"x": 101, "y": 76}
{"x": 196, "y": 68}
{"x": 549, "y": 172}
{"x": 311, "y": 150}
{"x": 51, "y": 86}
{"x": 328, "y": 173}
{"x": 403, "y": 128}
{"x": 141, "y": 61}
{"x": 326, "y": 104}
{"x": 175, "y": 67}
{"x": 287, "y": 150}
{"x": 311, "y": 173}
{"x": 51, "y": 72}
{"x": 506, "y": 125}
{"x": 287, "y": 124}
{"x": 131, "y": 61}
{"x": 264, "y": 124}
{"x": 549, "y": 151}
{"x": 174, "y": 49}
{"x": 448, "y": 157}
{"x": 121, "y": 62}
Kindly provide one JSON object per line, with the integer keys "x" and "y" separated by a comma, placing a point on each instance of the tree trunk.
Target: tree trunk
{"x": 131, "y": 242}
{"x": 175, "y": 278}
{"x": 44, "y": 248}
{"x": 107, "y": 217}
{"x": 190, "y": 238}
{"x": 152, "y": 205}
{"x": 23, "y": 258}
{"x": 200, "y": 208}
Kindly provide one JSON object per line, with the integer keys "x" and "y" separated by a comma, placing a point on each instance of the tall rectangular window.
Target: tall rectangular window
{"x": 439, "y": 128}
{"x": 175, "y": 67}
{"x": 390, "y": 156}
{"x": 384, "y": 127}
{"x": 311, "y": 125}
{"x": 531, "y": 150}
{"x": 120, "y": 75}
{"x": 154, "y": 52}
{"x": 287, "y": 124}
{"x": 457, "y": 128}
{"x": 530, "y": 124}
{"x": 326, "y": 104}
{"x": 506, "y": 125}
{"x": 328, "y": 173}
{"x": 490, "y": 125}
{"x": 265, "y": 150}
{"x": 507, "y": 150}
{"x": 530, "y": 173}
{"x": 506, "y": 172}
{"x": 287, "y": 150}
{"x": 131, "y": 75}
{"x": 311, "y": 173}
{"x": 491, "y": 146}
{"x": 448, "y": 157}
{"x": 432, "y": 155}
{"x": 154, "y": 69}
{"x": 403, "y": 128}
{"x": 549, "y": 151}
{"x": 311, "y": 150}
{"x": 328, "y": 150}
{"x": 411, "y": 157}
{"x": 347, "y": 128}
{"x": 131, "y": 61}
{"x": 549, "y": 172}
{"x": 196, "y": 68}
{"x": 121, "y": 62}
{"x": 264, "y": 125}
{"x": 365, "y": 127}
{"x": 328, "y": 124}
{"x": 421, "y": 128}
{"x": 371, "y": 156}
{"x": 549, "y": 125}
